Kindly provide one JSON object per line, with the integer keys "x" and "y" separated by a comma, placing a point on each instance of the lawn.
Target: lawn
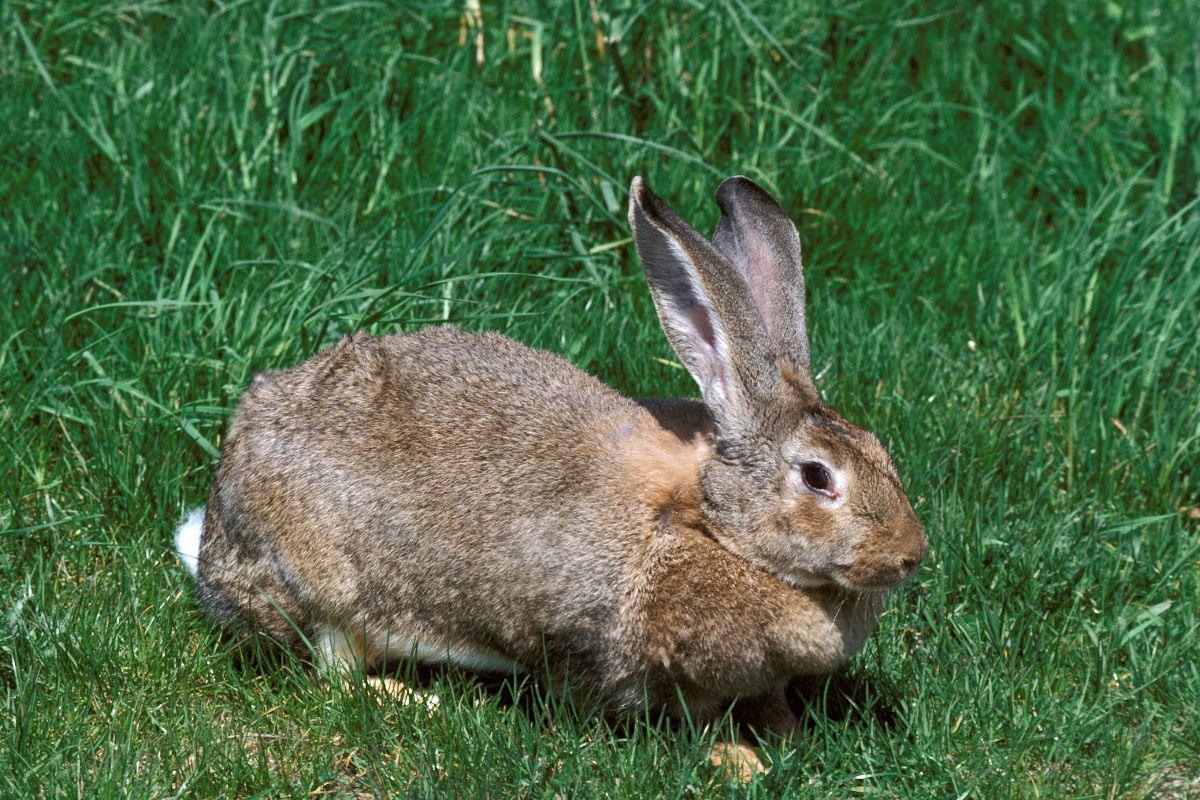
{"x": 999, "y": 209}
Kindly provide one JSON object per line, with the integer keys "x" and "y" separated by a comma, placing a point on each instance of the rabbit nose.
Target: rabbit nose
{"x": 917, "y": 547}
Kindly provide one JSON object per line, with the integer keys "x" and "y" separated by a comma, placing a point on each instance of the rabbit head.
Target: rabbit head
{"x": 794, "y": 488}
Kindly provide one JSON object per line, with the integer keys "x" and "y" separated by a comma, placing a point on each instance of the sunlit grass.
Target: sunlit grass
{"x": 999, "y": 211}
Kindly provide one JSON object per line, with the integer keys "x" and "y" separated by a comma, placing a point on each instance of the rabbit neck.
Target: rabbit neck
{"x": 666, "y": 470}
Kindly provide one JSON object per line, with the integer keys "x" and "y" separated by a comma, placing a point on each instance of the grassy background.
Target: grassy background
{"x": 999, "y": 210}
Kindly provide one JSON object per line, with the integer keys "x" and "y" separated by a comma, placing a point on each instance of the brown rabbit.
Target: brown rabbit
{"x": 459, "y": 497}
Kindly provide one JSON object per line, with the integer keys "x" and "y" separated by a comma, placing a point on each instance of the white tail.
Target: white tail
{"x": 187, "y": 540}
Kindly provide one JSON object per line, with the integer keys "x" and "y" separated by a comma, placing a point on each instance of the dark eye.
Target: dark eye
{"x": 816, "y": 477}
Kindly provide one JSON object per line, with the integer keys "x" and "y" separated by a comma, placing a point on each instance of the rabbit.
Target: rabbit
{"x": 461, "y": 498}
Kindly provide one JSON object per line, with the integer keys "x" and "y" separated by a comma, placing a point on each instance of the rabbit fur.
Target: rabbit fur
{"x": 463, "y": 498}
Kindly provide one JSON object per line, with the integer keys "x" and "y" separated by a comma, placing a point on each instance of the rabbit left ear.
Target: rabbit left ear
{"x": 760, "y": 240}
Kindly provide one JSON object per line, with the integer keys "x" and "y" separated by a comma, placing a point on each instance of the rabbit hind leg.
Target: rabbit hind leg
{"x": 343, "y": 648}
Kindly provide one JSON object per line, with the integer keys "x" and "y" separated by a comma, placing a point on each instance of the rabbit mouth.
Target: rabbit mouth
{"x": 874, "y": 584}
{"x": 837, "y": 582}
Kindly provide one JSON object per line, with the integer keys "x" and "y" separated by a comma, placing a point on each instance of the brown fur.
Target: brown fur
{"x": 467, "y": 494}
{"x": 665, "y": 471}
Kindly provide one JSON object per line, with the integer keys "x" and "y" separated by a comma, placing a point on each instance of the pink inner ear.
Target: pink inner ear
{"x": 760, "y": 278}
{"x": 701, "y": 322}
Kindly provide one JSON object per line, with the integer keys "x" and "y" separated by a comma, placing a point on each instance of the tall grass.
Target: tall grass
{"x": 999, "y": 209}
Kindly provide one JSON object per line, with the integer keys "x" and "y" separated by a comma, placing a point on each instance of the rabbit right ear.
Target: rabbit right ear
{"x": 705, "y": 308}
{"x": 760, "y": 240}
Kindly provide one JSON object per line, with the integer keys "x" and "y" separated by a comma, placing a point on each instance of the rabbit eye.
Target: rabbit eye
{"x": 816, "y": 477}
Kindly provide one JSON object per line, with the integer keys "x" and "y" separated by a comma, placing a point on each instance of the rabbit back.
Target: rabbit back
{"x": 424, "y": 491}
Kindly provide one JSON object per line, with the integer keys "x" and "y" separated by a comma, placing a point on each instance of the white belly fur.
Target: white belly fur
{"x": 338, "y": 646}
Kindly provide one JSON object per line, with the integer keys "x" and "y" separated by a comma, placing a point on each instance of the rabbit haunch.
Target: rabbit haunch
{"x": 463, "y": 497}
{"x": 344, "y": 646}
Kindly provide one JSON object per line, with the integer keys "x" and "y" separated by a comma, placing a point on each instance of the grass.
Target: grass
{"x": 1002, "y": 232}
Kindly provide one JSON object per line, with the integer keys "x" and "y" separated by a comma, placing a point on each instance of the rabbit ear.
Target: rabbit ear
{"x": 757, "y": 237}
{"x": 704, "y": 308}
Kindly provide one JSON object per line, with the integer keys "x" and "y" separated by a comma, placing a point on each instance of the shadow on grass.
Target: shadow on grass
{"x": 854, "y": 698}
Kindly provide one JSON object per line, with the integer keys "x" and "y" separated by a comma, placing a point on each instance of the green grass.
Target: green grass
{"x": 1001, "y": 225}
